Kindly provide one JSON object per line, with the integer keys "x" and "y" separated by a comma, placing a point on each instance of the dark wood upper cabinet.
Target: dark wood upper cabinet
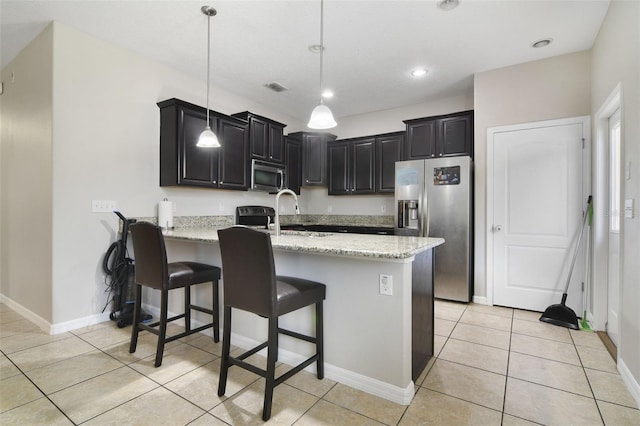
{"x": 233, "y": 172}
{"x": 266, "y": 137}
{"x": 183, "y": 163}
{"x": 389, "y": 149}
{"x": 352, "y": 166}
{"x": 314, "y": 156}
{"x": 442, "y": 136}
{"x": 293, "y": 160}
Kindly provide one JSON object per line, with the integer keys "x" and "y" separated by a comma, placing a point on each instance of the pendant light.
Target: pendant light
{"x": 321, "y": 116}
{"x": 208, "y": 139}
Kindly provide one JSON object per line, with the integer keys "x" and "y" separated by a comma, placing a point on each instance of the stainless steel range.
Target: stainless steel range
{"x": 255, "y": 216}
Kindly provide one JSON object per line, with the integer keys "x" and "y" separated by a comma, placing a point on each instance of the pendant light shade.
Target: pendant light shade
{"x": 321, "y": 116}
{"x": 208, "y": 139}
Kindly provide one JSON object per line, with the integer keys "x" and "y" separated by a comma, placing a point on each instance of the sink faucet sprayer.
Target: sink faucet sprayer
{"x": 277, "y": 218}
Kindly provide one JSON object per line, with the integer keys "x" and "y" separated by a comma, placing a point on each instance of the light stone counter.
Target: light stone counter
{"x": 358, "y": 245}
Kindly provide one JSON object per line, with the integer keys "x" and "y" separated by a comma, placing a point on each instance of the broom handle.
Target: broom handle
{"x": 575, "y": 253}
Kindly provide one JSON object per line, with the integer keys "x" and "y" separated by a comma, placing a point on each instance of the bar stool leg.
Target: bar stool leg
{"x": 135, "y": 329}
{"x": 319, "y": 341}
{"x": 187, "y": 309}
{"x": 272, "y": 356}
{"x": 226, "y": 345}
{"x": 216, "y": 311}
{"x": 162, "y": 329}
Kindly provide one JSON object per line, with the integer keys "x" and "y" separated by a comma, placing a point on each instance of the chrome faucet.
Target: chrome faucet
{"x": 277, "y": 218}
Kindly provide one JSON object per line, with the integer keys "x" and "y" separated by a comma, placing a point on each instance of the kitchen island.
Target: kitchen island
{"x": 373, "y": 342}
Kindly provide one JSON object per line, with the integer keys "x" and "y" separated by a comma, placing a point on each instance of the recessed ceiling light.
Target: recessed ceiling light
{"x": 448, "y": 4}
{"x": 541, "y": 43}
{"x": 419, "y": 72}
{"x": 327, "y": 94}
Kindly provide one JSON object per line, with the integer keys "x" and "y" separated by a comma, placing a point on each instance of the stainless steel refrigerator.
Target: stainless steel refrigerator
{"x": 434, "y": 198}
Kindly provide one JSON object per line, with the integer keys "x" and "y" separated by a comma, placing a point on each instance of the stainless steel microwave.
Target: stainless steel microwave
{"x": 268, "y": 177}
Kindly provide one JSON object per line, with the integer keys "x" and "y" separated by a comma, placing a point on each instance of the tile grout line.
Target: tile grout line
{"x": 595, "y": 401}
{"x": 39, "y": 390}
{"x": 506, "y": 373}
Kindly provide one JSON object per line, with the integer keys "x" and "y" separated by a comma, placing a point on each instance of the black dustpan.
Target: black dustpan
{"x": 560, "y": 314}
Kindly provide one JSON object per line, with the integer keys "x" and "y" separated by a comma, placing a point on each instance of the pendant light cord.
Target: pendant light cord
{"x": 208, "y": 63}
{"x": 321, "y": 47}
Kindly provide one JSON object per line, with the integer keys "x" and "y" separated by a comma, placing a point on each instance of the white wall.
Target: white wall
{"x": 105, "y": 146}
{"x": 616, "y": 59}
{"x": 552, "y": 88}
{"x": 26, "y": 189}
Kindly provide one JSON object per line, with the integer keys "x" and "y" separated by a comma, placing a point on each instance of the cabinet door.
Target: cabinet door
{"x": 196, "y": 164}
{"x": 362, "y": 166}
{"x": 454, "y": 136}
{"x": 234, "y": 141}
{"x": 388, "y": 151}
{"x": 339, "y": 181}
{"x": 259, "y": 131}
{"x": 276, "y": 143}
{"x": 421, "y": 140}
{"x": 314, "y": 160}
{"x": 294, "y": 164}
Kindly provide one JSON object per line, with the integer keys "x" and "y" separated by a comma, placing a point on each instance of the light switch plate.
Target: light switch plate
{"x": 103, "y": 206}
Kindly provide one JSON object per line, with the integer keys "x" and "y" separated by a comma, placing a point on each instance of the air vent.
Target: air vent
{"x": 276, "y": 87}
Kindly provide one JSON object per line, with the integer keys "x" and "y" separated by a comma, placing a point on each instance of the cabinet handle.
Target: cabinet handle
{"x": 215, "y": 181}
{"x": 440, "y": 154}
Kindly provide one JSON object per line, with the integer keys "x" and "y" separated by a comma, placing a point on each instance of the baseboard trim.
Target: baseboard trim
{"x": 367, "y": 384}
{"x": 28, "y": 314}
{"x": 630, "y": 381}
{"x": 480, "y": 300}
{"x": 608, "y": 343}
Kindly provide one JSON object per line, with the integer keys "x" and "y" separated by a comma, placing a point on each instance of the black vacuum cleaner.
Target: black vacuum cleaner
{"x": 560, "y": 314}
{"x": 120, "y": 279}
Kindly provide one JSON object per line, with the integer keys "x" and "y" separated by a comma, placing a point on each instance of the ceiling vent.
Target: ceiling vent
{"x": 276, "y": 87}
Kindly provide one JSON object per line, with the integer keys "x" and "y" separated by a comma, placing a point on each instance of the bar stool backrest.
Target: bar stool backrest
{"x": 248, "y": 270}
{"x": 150, "y": 255}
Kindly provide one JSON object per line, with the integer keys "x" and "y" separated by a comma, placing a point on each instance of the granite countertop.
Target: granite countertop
{"x": 359, "y": 245}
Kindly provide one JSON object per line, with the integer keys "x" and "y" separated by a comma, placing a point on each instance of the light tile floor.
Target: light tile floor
{"x": 493, "y": 366}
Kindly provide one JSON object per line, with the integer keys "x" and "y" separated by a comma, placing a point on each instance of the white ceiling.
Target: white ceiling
{"x": 370, "y": 46}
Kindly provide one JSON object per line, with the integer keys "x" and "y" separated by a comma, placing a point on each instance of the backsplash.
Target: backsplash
{"x": 304, "y": 219}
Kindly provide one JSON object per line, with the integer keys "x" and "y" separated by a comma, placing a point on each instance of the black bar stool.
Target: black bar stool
{"x": 250, "y": 284}
{"x": 152, "y": 270}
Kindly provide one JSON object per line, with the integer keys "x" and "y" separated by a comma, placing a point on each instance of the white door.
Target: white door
{"x": 536, "y": 212}
{"x": 613, "y": 282}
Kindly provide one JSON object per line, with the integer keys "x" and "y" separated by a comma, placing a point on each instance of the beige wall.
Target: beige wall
{"x": 616, "y": 59}
{"x": 79, "y": 124}
{"x": 548, "y": 89}
{"x": 26, "y": 188}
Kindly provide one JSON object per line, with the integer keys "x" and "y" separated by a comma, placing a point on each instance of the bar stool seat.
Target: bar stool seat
{"x": 152, "y": 270}
{"x": 250, "y": 284}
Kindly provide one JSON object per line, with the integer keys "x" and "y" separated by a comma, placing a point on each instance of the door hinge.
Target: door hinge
{"x": 583, "y": 286}
{"x": 583, "y": 143}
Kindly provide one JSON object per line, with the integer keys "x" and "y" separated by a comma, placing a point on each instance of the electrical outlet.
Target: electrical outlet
{"x": 103, "y": 206}
{"x": 386, "y": 284}
{"x": 383, "y": 208}
{"x": 329, "y": 208}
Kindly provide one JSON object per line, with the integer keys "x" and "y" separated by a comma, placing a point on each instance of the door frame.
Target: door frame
{"x": 584, "y": 120}
{"x": 598, "y": 314}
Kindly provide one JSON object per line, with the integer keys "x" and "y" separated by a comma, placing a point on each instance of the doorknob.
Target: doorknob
{"x": 497, "y": 228}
